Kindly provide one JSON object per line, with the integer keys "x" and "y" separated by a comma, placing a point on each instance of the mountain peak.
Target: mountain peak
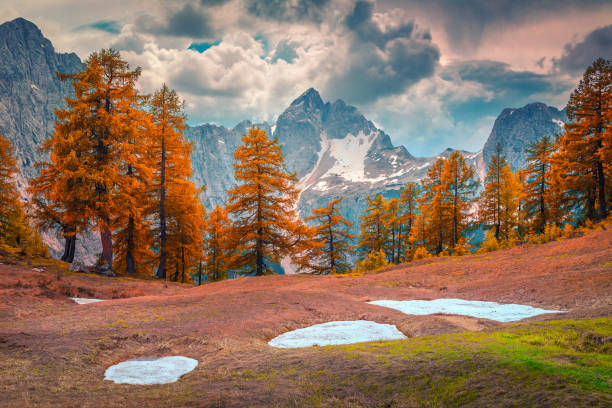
{"x": 23, "y": 25}
{"x": 517, "y": 128}
{"x": 310, "y": 99}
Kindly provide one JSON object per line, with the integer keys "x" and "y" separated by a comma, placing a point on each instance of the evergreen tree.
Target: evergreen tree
{"x": 266, "y": 226}
{"x": 332, "y": 242}
{"x": 583, "y": 161}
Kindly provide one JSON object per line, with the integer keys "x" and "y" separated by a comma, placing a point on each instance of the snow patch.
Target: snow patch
{"x": 474, "y": 308}
{"x": 334, "y": 333}
{"x": 85, "y": 301}
{"x": 154, "y": 370}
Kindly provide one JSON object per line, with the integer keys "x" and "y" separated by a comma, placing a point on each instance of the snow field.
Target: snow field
{"x": 334, "y": 333}
{"x": 474, "y": 308}
{"x": 147, "y": 371}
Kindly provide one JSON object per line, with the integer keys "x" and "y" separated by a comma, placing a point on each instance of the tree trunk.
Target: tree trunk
{"x": 161, "y": 270}
{"x": 72, "y": 249}
{"x": 183, "y": 263}
{"x": 601, "y": 189}
{"x": 69, "y": 246}
{"x": 200, "y": 273}
{"x": 130, "y": 266}
{"x": 107, "y": 243}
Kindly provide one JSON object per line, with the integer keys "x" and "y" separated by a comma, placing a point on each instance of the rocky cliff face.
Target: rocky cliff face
{"x": 30, "y": 92}
{"x": 515, "y": 129}
{"x": 212, "y": 158}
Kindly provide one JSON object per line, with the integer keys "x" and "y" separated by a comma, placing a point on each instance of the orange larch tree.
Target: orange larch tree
{"x": 407, "y": 217}
{"x": 434, "y": 207}
{"x": 171, "y": 160}
{"x": 374, "y": 234}
{"x": 219, "y": 255}
{"x": 266, "y": 226}
{"x": 582, "y": 163}
{"x": 392, "y": 220}
{"x": 90, "y": 133}
{"x": 185, "y": 228}
{"x": 537, "y": 179}
{"x": 8, "y": 190}
{"x": 459, "y": 194}
{"x": 333, "y": 242}
{"x": 131, "y": 220}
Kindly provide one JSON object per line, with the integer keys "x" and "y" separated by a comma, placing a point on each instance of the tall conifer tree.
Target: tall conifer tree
{"x": 582, "y": 163}
{"x": 537, "y": 179}
{"x": 170, "y": 153}
{"x": 459, "y": 193}
{"x": 374, "y": 232}
{"x": 266, "y": 226}
{"x": 333, "y": 242}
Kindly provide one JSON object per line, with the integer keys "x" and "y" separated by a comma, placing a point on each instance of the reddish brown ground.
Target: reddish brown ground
{"x": 226, "y": 325}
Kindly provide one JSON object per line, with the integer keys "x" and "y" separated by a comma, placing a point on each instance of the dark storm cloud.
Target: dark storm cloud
{"x": 504, "y": 87}
{"x": 288, "y": 10}
{"x": 383, "y": 61}
{"x": 188, "y": 21}
{"x": 360, "y": 21}
{"x": 577, "y": 57}
{"x": 467, "y": 21}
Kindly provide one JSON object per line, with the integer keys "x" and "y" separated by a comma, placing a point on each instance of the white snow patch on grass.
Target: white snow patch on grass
{"x": 154, "y": 370}
{"x": 85, "y": 301}
{"x": 474, "y": 308}
{"x": 334, "y": 333}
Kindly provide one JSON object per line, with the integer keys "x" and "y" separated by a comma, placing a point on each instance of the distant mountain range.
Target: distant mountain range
{"x": 333, "y": 148}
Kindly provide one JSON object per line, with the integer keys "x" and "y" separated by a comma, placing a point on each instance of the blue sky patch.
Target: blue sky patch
{"x": 108, "y": 26}
{"x": 202, "y": 46}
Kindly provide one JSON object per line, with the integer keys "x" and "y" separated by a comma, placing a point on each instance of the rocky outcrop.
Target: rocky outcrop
{"x": 515, "y": 129}
{"x": 30, "y": 93}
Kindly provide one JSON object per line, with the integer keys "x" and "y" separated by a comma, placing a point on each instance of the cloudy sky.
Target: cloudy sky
{"x": 431, "y": 73}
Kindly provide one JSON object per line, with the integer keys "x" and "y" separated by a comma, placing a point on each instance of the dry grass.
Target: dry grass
{"x": 53, "y": 353}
